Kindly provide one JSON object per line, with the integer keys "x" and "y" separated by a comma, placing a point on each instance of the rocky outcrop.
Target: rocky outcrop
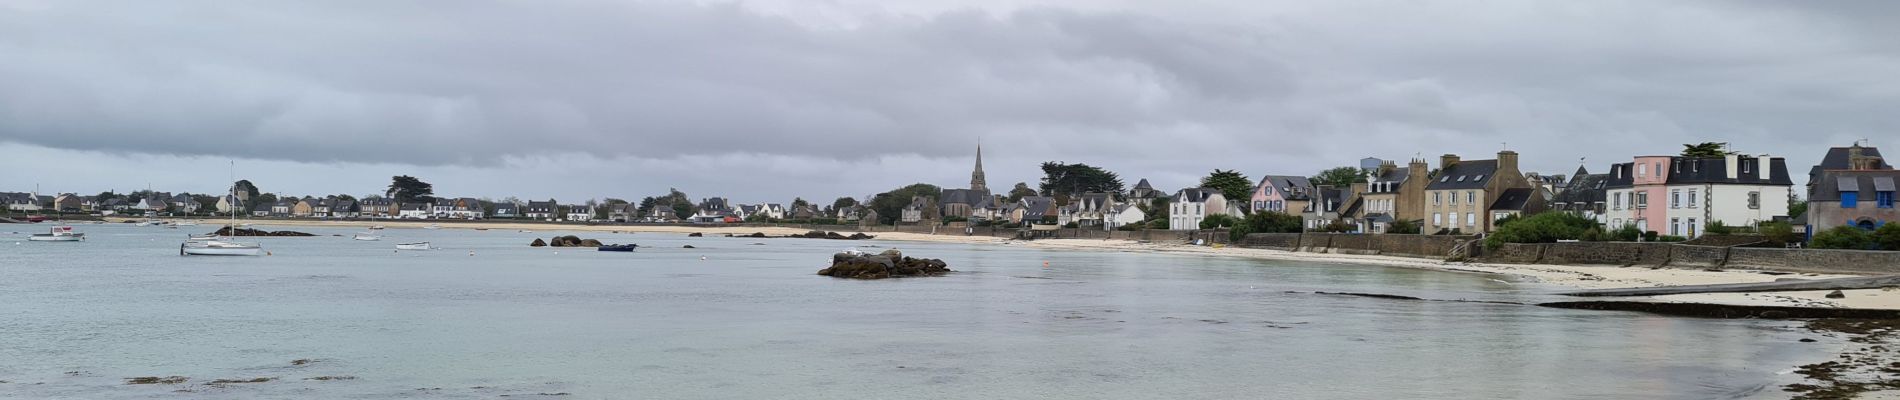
{"x": 571, "y": 241}
{"x": 590, "y": 243}
{"x": 755, "y": 235}
{"x": 537, "y": 243}
{"x": 889, "y": 264}
{"x": 688, "y": 247}
{"x": 828, "y": 235}
{"x": 227, "y": 231}
{"x": 695, "y": 234}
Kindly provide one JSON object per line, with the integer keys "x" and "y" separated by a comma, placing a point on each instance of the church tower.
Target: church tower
{"x": 976, "y": 177}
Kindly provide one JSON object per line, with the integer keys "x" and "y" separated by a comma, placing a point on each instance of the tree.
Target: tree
{"x": 799, "y": 203}
{"x": 1157, "y": 209}
{"x": 344, "y": 197}
{"x": 843, "y": 203}
{"x": 1887, "y": 236}
{"x": 1063, "y": 180}
{"x": 1706, "y": 150}
{"x": 1020, "y": 191}
{"x": 1797, "y": 208}
{"x": 1547, "y": 227}
{"x": 890, "y": 205}
{"x": 1231, "y": 183}
{"x": 1265, "y": 222}
{"x": 408, "y": 189}
{"x": 1340, "y": 176}
{"x": 1779, "y": 233}
{"x": 1627, "y": 233}
{"x": 245, "y": 190}
{"x": 1716, "y": 227}
{"x": 1843, "y": 237}
{"x": 261, "y": 202}
{"x": 1404, "y": 226}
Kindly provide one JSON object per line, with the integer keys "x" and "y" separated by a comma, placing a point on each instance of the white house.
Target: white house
{"x": 415, "y": 211}
{"x": 21, "y": 201}
{"x": 580, "y": 212}
{"x": 540, "y": 210}
{"x": 1192, "y": 205}
{"x": 1122, "y": 214}
{"x": 1737, "y": 190}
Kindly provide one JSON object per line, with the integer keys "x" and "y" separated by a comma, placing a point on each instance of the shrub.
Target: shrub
{"x": 1671, "y": 238}
{"x": 1264, "y": 222}
{"x": 1594, "y": 234}
{"x": 1843, "y": 237}
{"x": 1541, "y": 228}
{"x": 1070, "y": 225}
{"x": 1339, "y": 227}
{"x": 1887, "y": 237}
{"x": 954, "y": 218}
{"x": 1628, "y": 233}
{"x": 1219, "y": 221}
{"x": 1718, "y": 228}
{"x": 1507, "y": 220}
{"x": 1158, "y": 224}
{"x": 1404, "y": 226}
{"x": 1048, "y": 219}
{"x": 1779, "y": 233}
{"x": 1649, "y": 236}
{"x": 1132, "y": 227}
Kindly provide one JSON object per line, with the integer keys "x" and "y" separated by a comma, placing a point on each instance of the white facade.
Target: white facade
{"x": 1189, "y": 208}
{"x": 1127, "y": 214}
{"x": 1692, "y": 206}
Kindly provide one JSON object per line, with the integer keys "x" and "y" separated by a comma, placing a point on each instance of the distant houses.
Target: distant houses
{"x": 1852, "y": 186}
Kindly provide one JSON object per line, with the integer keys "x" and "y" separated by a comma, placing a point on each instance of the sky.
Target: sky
{"x": 763, "y": 101}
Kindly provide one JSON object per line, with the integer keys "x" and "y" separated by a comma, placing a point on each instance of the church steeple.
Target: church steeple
{"x": 976, "y": 177}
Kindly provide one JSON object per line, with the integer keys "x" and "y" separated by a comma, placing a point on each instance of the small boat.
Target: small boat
{"x": 366, "y": 237}
{"x": 218, "y": 248}
{"x": 618, "y": 247}
{"x": 525, "y": 231}
{"x": 58, "y": 234}
{"x": 414, "y": 246}
{"x": 481, "y": 229}
{"x": 376, "y": 228}
{"x": 201, "y": 238}
{"x": 433, "y": 226}
{"x": 185, "y": 223}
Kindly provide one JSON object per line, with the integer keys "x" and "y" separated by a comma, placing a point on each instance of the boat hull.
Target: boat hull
{"x": 39, "y": 238}
{"x": 214, "y": 248}
{"x": 414, "y": 246}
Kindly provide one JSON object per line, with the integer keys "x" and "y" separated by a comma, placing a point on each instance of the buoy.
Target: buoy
{"x": 471, "y": 254}
{"x": 702, "y": 258}
{"x": 1045, "y": 264}
{"x": 267, "y": 253}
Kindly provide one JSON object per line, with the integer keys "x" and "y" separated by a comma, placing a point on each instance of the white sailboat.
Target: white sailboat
{"x": 414, "y": 246}
{"x": 366, "y": 237}
{"x": 225, "y": 245}
{"x": 59, "y": 234}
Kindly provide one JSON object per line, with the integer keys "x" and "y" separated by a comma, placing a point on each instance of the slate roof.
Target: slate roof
{"x": 974, "y": 198}
{"x": 1864, "y": 182}
{"x": 1467, "y": 174}
{"x": 1837, "y": 158}
{"x": 1035, "y": 207}
{"x": 507, "y": 208}
{"x": 375, "y": 201}
{"x": 1619, "y": 176}
{"x": 1334, "y": 197}
{"x": 1193, "y": 195}
{"x": 1513, "y": 199}
{"x": 1286, "y": 184}
{"x": 542, "y": 206}
{"x": 1715, "y": 170}
{"x": 1586, "y": 188}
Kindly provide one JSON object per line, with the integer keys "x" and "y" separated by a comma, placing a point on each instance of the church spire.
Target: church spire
{"x": 976, "y": 177}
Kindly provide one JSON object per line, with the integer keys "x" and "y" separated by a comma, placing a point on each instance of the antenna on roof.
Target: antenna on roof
{"x": 1507, "y": 145}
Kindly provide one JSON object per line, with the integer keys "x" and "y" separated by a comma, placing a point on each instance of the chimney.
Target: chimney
{"x": 1507, "y": 161}
{"x": 1734, "y": 165}
{"x": 1762, "y": 165}
{"x": 1445, "y": 161}
{"x": 1416, "y": 171}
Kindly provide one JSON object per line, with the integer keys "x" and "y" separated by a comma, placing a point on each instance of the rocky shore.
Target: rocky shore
{"x": 227, "y": 231}
{"x": 888, "y": 264}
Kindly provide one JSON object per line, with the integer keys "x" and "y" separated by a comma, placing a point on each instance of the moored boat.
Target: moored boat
{"x": 618, "y": 247}
{"x": 414, "y": 246}
{"x": 433, "y": 226}
{"x": 366, "y": 237}
{"x": 219, "y": 248}
{"x": 58, "y": 234}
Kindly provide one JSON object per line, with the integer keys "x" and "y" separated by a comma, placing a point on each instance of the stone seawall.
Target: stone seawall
{"x": 1692, "y": 256}
{"x": 1818, "y": 261}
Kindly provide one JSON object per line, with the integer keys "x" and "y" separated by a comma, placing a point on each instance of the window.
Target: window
{"x": 1691, "y": 227}
{"x": 1479, "y": 178}
{"x": 1675, "y": 226}
{"x": 1883, "y": 199}
{"x": 1618, "y": 204}
{"x": 1471, "y": 219}
{"x": 1461, "y": 178}
{"x": 1642, "y": 199}
{"x": 1642, "y": 170}
{"x": 1744, "y": 168}
{"x": 1754, "y": 200}
{"x": 1438, "y": 219}
{"x": 1447, "y": 178}
{"x": 1692, "y": 198}
{"x": 1675, "y": 199}
{"x": 1436, "y": 196}
{"x": 1848, "y": 199}
{"x": 1454, "y": 219}
{"x": 1454, "y": 198}
{"x": 1471, "y": 197}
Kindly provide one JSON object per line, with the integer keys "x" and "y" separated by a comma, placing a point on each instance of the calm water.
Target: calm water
{"x": 752, "y": 321}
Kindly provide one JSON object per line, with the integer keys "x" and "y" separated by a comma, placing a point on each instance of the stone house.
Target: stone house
{"x": 507, "y": 209}
{"x": 1460, "y": 197}
{"x": 1329, "y": 204}
{"x": 1285, "y": 194}
{"x": 1853, "y": 186}
{"x": 1392, "y": 194}
{"x": 1585, "y": 195}
{"x": 305, "y": 207}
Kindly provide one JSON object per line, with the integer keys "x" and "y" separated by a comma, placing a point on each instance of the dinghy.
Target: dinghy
{"x": 414, "y": 246}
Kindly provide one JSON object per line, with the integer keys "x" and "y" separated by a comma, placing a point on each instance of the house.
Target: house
{"x": 1853, "y": 186}
{"x": 748, "y": 210}
{"x": 851, "y": 213}
{"x": 228, "y": 204}
{"x": 579, "y": 212}
{"x": 809, "y": 211}
{"x": 919, "y": 210}
{"x": 341, "y": 208}
{"x": 1392, "y": 194}
{"x": 154, "y": 202}
{"x": 1122, "y": 214}
{"x": 1735, "y": 189}
{"x": 116, "y": 205}
{"x": 282, "y": 207}
{"x": 463, "y": 208}
{"x": 322, "y": 209}
{"x": 1518, "y": 202}
{"x": 661, "y": 213}
{"x": 21, "y": 201}
{"x": 183, "y": 203}
{"x": 541, "y": 210}
{"x": 304, "y": 208}
{"x": 1281, "y": 193}
{"x": 376, "y": 207}
{"x": 623, "y": 212}
{"x": 69, "y": 202}
{"x": 774, "y": 211}
{"x": 1087, "y": 210}
{"x": 713, "y": 210}
{"x": 1585, "y": 195}
{"x": 1190, "y": 206}
{"x": 415, "y": 210}
{"x": 507, "y": 209}
{"x": 1143, "y": 193}
{"x": 1032, "y": 209}
{"x": 1329, "y": 205}
{"x": 1460, "y": 197}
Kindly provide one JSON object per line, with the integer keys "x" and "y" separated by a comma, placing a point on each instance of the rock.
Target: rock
{"x": 1807, "y": 340}
{"x": 1773, "y": 314}
{"x": 688, "y": 247}
{"x": 756, "y": 235}
{"x": 589, "y": 243}
{"x": 565, "y": 241}
{"x": 537, "y": 243}
{"x": 827, "y": 235}
{"x": 153, "y": 380}
{"x": 695, "y": 234}
{"x": 1837, "y": 295}
{"x": 889, "y": 264}
{"x": 227, "y": 231}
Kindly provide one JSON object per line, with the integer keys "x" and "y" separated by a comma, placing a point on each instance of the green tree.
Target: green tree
{"x": 1779, "y": 233}
{"x": 1218, "y": 221}
{"x": 1627, "y": 233}
{"x": 1065, "y": 180}
{"x": 799, "y": 203}
{"x": 1404, "y": 227}
{"x": 1843, "y": 237}
{"x": 1541, "y": 228}
{"x": 1340, "y": 176}
{"x": 1020, "y": 191}
{"x": 1706, "y": 150}
{"x": 245, "y": 189}
{"x": 1797, "y": 208}
{"x": 1157, "y": 209}
{"x": 843, "y": 203}
{"x": 1231, "y": 183}
{"x": 1718, "y": 228}
{"x": 1887, "y": 237}
{"x": 408, "y": 189}
{"x": 1265, "y": 222}
{"x": 890, "y": 205}
{"x": 683, "y": 210}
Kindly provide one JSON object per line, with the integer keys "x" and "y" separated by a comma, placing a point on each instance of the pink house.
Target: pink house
{"x": 1630, "y": 203}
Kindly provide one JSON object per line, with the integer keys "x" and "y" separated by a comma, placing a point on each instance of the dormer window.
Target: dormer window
{"x": 1461, "y": 178}
{"x": 1447, "y": 178}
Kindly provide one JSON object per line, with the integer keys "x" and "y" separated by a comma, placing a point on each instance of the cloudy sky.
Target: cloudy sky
{"x": 766, "y": 100}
